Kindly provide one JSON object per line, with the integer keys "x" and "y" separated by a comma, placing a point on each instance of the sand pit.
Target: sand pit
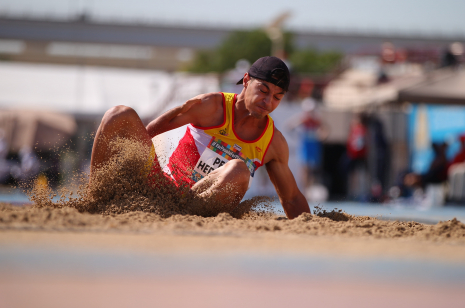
{"x": 127, "y": 243}
{"x": 322, "y": 223}
{"x": 119, "y": 201}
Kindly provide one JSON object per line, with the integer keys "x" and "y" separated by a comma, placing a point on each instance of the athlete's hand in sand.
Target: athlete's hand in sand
{"x": 277, "y": 166}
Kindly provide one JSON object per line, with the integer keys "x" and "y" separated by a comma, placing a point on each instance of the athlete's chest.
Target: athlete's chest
{"x": 248, "y": 131}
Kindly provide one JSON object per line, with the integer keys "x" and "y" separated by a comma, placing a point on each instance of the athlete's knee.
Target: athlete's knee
{"x": 119, "y": 114}
{"x": 239, "y": 169}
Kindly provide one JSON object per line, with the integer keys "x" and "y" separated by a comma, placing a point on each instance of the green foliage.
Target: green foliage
{"x": 311, "y": 61}
{"x": 249, "y": 45}
{"x": 203, "y": 62}
{"x": 243, "y": 45}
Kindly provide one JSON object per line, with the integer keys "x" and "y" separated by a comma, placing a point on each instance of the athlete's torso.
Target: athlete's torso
{"x": 204, "y": 149}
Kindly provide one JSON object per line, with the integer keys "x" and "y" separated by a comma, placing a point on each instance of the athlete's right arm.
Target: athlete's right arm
{"x": 202, "y": 110}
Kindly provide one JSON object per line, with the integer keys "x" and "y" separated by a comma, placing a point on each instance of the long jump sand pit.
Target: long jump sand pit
{"x": 325, "y": 232}
{"x": 66, "y": 258}
{"x": 129, "y": 245}
{"x": 328, "y": 224}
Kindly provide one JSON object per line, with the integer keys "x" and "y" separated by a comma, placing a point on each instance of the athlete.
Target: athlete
{"x": 228, "y": 137}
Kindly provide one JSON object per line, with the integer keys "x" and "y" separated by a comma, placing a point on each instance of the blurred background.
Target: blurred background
{"x": 375, "y": 112}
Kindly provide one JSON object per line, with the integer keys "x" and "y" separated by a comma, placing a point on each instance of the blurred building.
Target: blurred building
{"x": 85, "y": 41}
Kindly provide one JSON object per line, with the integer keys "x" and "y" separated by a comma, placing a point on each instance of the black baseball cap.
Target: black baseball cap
{"x": 271, "y": 69}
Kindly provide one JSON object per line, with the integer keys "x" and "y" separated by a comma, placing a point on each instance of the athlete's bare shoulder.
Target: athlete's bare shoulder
{"x": 278, "y": 150}
{"x": 207, "y": 109}
{"x": 210, "y": 99}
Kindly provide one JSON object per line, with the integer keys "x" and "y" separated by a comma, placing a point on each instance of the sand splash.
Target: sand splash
{"x": 126, "y": 184}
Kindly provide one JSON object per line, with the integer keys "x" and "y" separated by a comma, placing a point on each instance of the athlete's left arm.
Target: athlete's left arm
{"x": 292, "y": 199}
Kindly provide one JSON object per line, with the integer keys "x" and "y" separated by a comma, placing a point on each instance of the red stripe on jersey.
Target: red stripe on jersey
{"x": 183, "y": 159}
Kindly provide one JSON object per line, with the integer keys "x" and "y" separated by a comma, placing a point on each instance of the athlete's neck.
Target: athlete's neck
{"x": 247, "y": 125}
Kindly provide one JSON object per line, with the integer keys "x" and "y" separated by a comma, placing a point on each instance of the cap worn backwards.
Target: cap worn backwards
{"x": 271, "y": 69}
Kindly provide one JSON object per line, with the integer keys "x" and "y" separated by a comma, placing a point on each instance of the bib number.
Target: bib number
{"x": 208, "y": 162}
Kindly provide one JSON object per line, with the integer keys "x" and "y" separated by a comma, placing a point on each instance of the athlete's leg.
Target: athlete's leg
{"x": 227, "y": 184}
{"x": 118, "y": 122}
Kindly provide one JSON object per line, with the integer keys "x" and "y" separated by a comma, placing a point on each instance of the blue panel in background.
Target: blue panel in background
{"x": 433, "y": 123}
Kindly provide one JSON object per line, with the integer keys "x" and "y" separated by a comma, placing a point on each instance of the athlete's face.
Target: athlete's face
{"x": 261, "y": 97}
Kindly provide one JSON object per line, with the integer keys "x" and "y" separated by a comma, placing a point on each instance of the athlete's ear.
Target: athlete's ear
{"x": 245, "y": 80}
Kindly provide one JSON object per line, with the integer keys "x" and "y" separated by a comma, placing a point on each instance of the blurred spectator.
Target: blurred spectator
{"x": 382, "y": 76}
{"x": 29, "y": 166}
{"x": 456, "y": 174}
{"x": 4, "y": 163}
{"x": 354, "y": 163}
{"x": 312, "y": 131}
{"x": 378, "y": 156}
{"x": 431, "y": 182}
{"x": 388, "y": 53}
{"x": 306, "y": 88}
{"x": 437, "y": 172}
{"x": 356, "y": 142}
{"x": 448, "y": 59}
{"x": 451, "y": 55}
{"x": 460, "y": 157}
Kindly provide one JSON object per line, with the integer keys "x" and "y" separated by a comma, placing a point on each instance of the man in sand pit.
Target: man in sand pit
{"x": 227, "y": 138}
